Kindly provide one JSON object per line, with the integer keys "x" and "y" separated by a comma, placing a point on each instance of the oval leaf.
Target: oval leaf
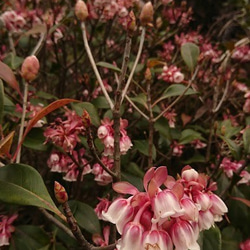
{"x": 90, "y": 108}
{"x": 108, "y": 66}
{"x": 210, "y": 239}
{"x": 176, "y": 90}
{"x": 8, "y": 76}
{"x": 85, "y": 216}
{"x": 23, "y": 185}
{"x": 190, "y": 54}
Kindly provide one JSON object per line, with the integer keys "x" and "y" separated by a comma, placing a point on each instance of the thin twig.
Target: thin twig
{"x": 39, "y": 44}
{"x": 56, "y": 222}
{"x": 92, "y": 148}
{"x": 124, "y": 92}
{"x": 223, "y": 98}
{"x": 179, "y": 97}
{"x": 93, "y": 64}
{"x": 136, "y": 108}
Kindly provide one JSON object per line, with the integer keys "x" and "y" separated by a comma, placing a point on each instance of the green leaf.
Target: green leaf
{"x": 141, "y": 99}
{"x": 45, "y": 95}
{"x": 79, "y": 107}
{"x": 134, "y": 180}
{"x": 234, "y": 148}
{"x": 35, "y": 238}
{"x": 190, "y": 54}
{"x": 176, "y": 90}
{"x": 162, "y": 127}
{"x": 101, "y": 103}
{"x": 35, "y": 140}
{"x": 246, "y": 141}
{"x": 1, "y": 101}
{"x": 210, "y": 239}
{"x": 134, "y": 169}
{"x": 142, "y": 146}
{"x": 108, "y": 66}
{"x": 13, "y": 60}
{"x": 189, "y": 135}
{"x": 23, "y": 185}
{"x": 231, "y": 238}
{"x": 85, "y": 216}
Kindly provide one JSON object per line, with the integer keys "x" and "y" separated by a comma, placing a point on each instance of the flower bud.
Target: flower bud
{"x": 60, "y": 193}
{"x": 148, "y": 75}
{"x": 131, "y": 26}
{"x": 30, "y": 68}
{"x": 147, "y": 14}
{"x": 81, "y": 10}
{"x": 86, "y": 119}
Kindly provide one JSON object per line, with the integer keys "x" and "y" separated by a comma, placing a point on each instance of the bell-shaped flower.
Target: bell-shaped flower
{"x": 206, "y": 219}
{"x": 218, "y": 206}
{"x": 119, "y": 213}
{"x": 166, "y": 204}
{"x": 191, "y": 212}
{"x": 184, "y": 236}
{"x": 131, "y": 237}
{"x": 202, "y": 199}
{"x": 157, "y": 239}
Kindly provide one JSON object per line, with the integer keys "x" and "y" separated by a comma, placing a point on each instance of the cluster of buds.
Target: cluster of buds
{"x": 6, "y": 228}
{"x": 106, "y": 135}
{"x": 170, "y": 213}
{"x": 242, "y": 54}
{"x": 171, "y": 74}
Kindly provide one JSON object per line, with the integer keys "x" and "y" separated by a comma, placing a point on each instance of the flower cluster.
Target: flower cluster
{"x": 13, "y": 22}
{"x": 171, "y": 74}
{"x": 230, "y": 167}
{"x": 242, "y": 54}
{"x": 6, "y": 228}
{"x": 62, "y": 163}
{"x": 170, "y": 213}
{"x": 106, "y": 135}
{"x": 65, "y": 133}
{"x": 245, "y": 245}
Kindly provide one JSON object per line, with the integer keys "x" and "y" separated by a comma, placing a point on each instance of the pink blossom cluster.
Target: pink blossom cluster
{"x": 101, "y": 176}
{"x": 6, "y": 228}
{"x": 106, "y": 135}
{"x": 193, "y": 37}
{"x": 241, "y": 53}
{"x": 171, "y": 74}
{"x": 230, "y": 167}
{"x": 170, "y": 213}
{"x": 71, "y": 166}
{"x": 245, "y": 245}
{"x": 167, "y": 53}
{"x": 13, "y": 21}
{"x": 108, "y": 9}
{"x": 65, "y": 133}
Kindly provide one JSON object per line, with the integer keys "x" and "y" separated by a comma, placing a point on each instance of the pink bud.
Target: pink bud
{"x": 190, "y": 175}
{"x": 147, "y": 14}
{"x": 218, "y": 206}
{"x": 60, "y": 193}
{"x": 30, "y": 68}
{"x": 81, "y": 10}
{"x": 203, "y": 200}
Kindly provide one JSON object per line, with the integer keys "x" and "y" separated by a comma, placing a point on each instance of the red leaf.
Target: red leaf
{"x": 51, "y": 107}
{"x": 245, "y": 201}
{"x": 8, "y": 76}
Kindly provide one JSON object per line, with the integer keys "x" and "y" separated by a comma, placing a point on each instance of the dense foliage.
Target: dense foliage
{"x": 124, "y": 124}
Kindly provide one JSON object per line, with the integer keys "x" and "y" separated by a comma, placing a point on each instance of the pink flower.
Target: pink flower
{"x": 166, "y": 204}
{"x": 171, "y": 74}
{"x": 119, "y": 213}
{"x": 245, "y": 245}
{"x": 218, "y": 206}
{"x": 184, "y": 236}
{"x": 245, "y": 178}
{"x": 203, "y": 199}
{"x": 206, "y": 219}
{"x": 131, "y": 237}
{"x": 156, "y": 239}
{"x": 6, "y": 228}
